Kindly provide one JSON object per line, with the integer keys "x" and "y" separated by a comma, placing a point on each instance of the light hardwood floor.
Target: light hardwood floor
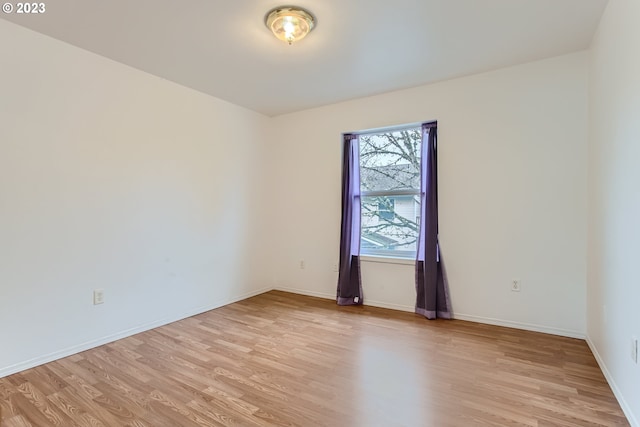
{"x": 280, "y": 359}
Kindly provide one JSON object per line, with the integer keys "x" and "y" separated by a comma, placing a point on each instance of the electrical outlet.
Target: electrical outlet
{"x": 302, "y": 264}
{"x": 98, "y": 296}
{"x": 516, "y": 285}
{"x": 336, "y": 268}
{"x": 634, "y": 349}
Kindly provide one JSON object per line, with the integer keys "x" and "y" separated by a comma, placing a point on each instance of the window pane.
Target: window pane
{"x": 390, "y": 162}
{"x": 386, "y": 208}
{"x": 387, "y": 232}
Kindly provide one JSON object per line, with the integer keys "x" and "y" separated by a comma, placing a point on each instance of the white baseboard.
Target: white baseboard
{"x": 399, "y": 307}
{"x": 32, "y": 363}
{"x": 614, "y": 387}
{"x": 471, "y": 318}
{"x": 368, "y": 302}
{"x": 305, "y": 292}
{"x": 518, "y": 325}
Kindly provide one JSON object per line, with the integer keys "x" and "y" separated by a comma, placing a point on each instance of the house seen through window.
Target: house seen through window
{"x": 390, "y": 192}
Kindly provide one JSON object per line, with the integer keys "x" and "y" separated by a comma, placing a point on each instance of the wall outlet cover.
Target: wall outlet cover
{"x": 516, "y": 285}
{"x": 98, "y": 296}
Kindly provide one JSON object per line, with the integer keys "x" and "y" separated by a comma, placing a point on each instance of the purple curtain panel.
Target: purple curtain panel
{"x": 349, "y": 278}
{"x": 432, "y": 289}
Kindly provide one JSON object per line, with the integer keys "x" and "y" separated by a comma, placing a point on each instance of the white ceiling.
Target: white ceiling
{"x": 358, "y": 48}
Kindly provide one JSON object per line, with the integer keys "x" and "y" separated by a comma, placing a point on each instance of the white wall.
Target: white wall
{"x": 512, "y": 164}
{"x": 613, "y": 291}
{"x": 115, "y": 179}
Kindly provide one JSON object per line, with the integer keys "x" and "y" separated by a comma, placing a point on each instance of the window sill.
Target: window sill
{"x": 387, "y": 260}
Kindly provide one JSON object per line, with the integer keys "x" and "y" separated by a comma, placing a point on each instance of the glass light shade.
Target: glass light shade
{"x": 289, "y": 24}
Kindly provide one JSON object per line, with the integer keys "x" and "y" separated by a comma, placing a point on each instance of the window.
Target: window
{"x": 390, "y": 189}
{"x": 386, "y": 208}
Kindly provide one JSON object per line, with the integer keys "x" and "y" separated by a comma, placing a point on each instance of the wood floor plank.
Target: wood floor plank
{"x": 280, "y": 359}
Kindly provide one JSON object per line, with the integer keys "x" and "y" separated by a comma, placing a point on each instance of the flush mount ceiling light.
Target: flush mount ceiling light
{"x": 289, "y": 23}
